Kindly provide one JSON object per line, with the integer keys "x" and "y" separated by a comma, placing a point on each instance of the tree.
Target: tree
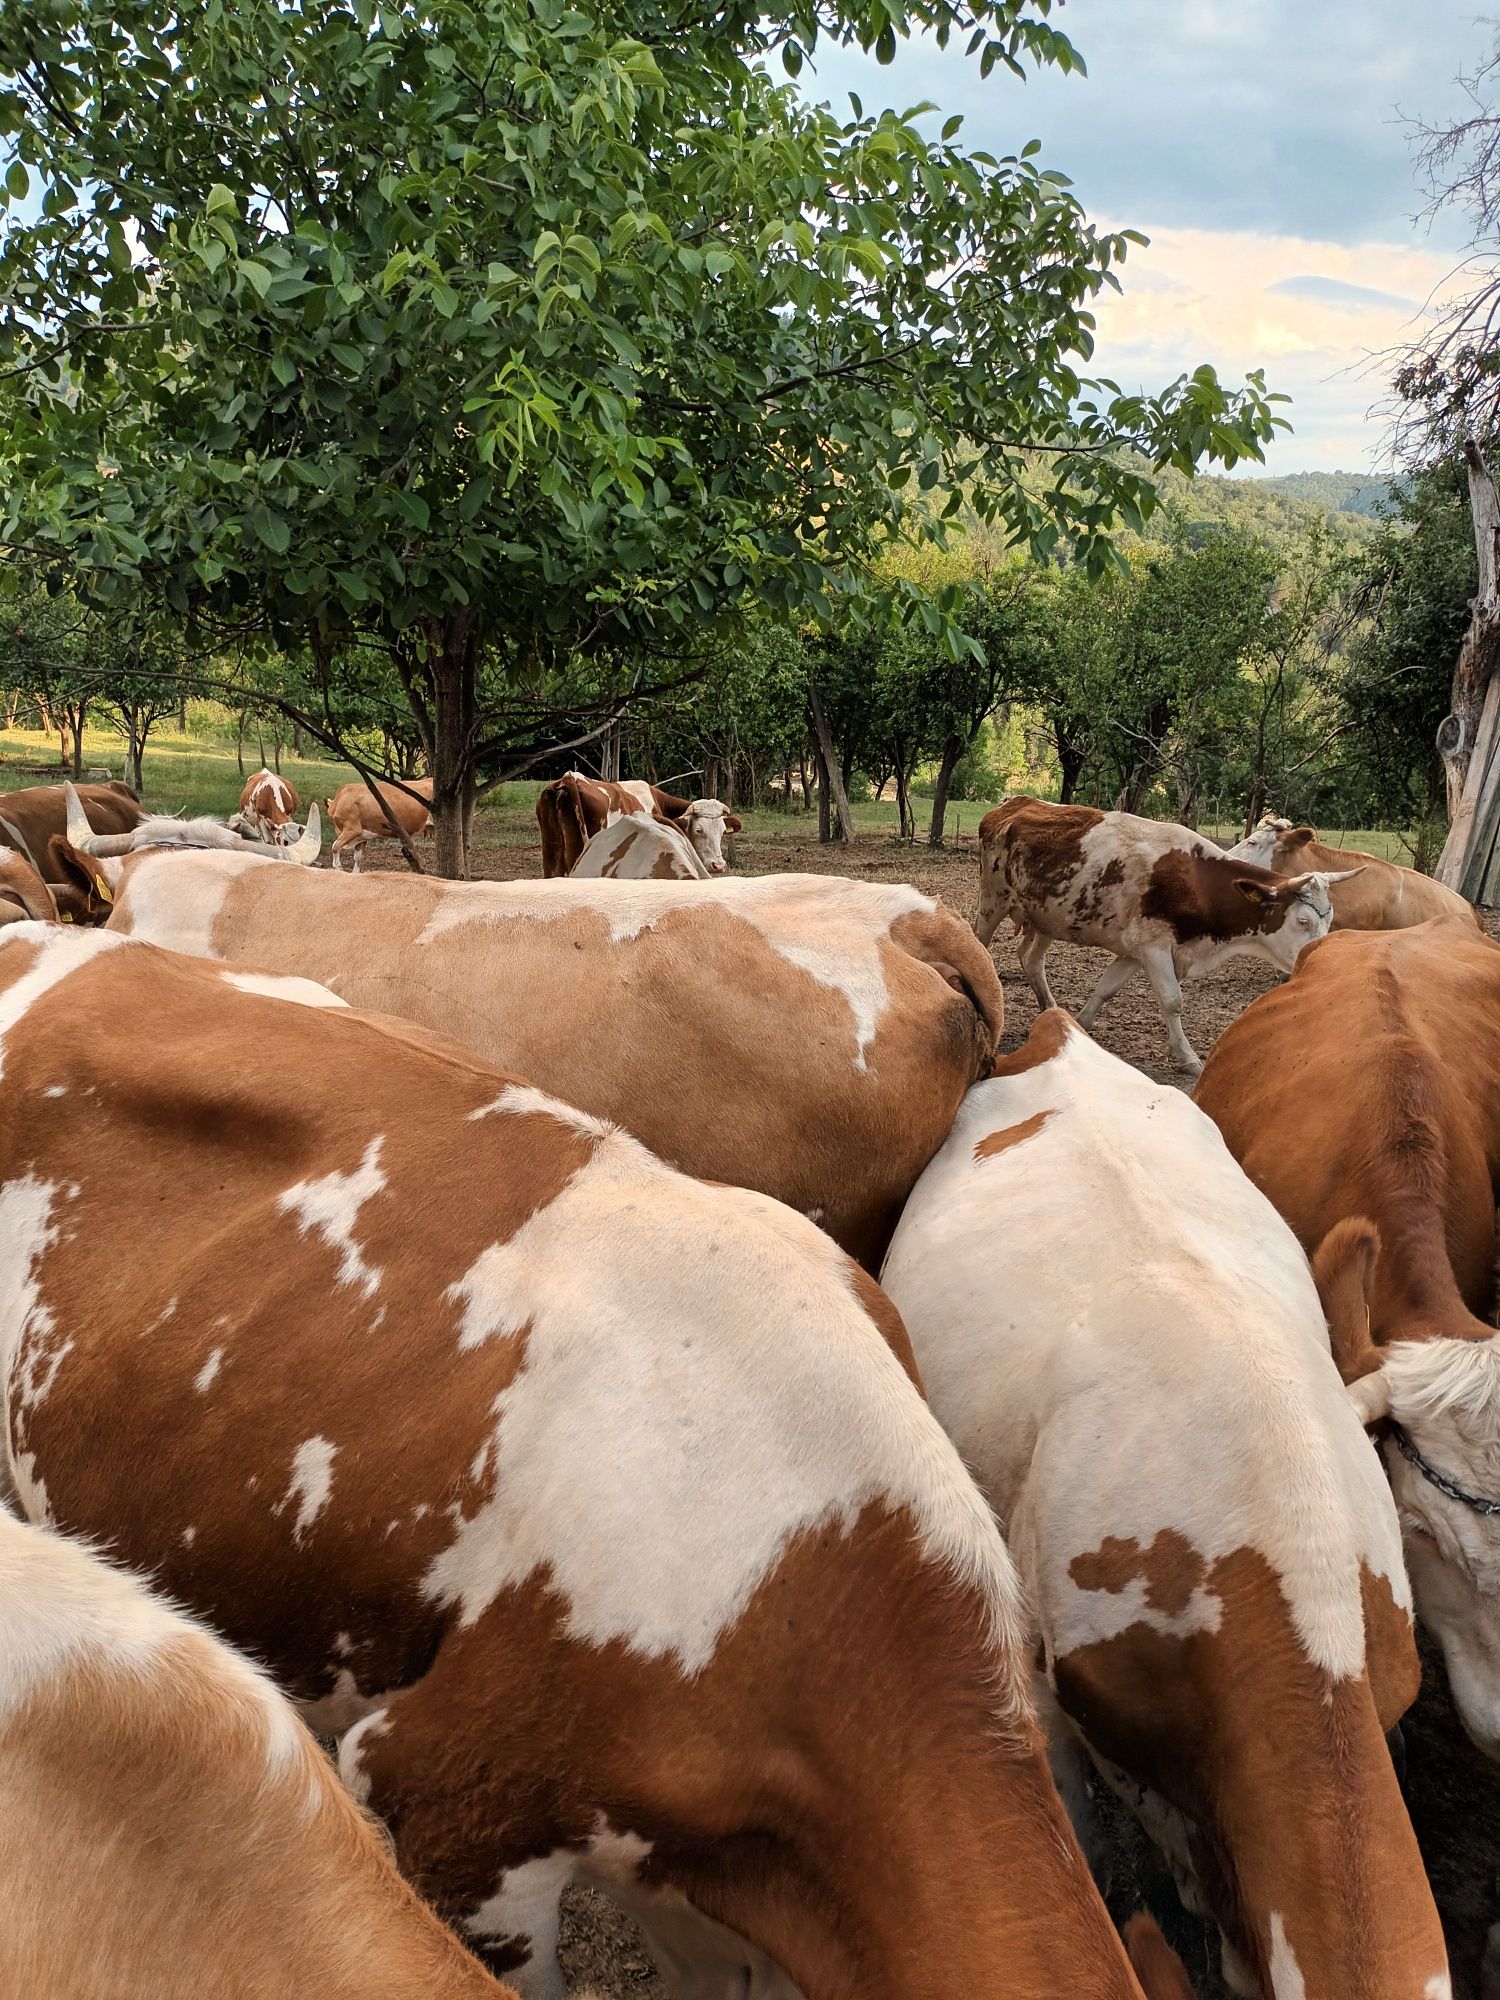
{"x": 493, "y": 333}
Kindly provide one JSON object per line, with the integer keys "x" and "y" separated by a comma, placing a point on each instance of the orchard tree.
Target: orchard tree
{"x": 495, "y": 333}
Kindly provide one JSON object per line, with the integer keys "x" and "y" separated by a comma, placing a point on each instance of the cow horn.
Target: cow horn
{"x": 310, "y": 846}
{"x": 80, "y": 833}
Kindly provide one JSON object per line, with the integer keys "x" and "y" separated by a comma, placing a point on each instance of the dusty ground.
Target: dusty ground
{"x": 1453, "y": 1795}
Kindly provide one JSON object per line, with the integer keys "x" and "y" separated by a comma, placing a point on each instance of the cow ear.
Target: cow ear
{"x": 1259, "y": 893}
{"x": 78, "y": 870}
{"x": 1344, "y": 1272}
{"x": 1299, "y": 836}
{"x": 733, "y": 823}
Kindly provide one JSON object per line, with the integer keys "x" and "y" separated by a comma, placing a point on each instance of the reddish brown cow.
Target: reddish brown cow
{"x": 594, "y": 1507}
{"x": 1159, "y": 896}
{"x": 268, "y": 806}
{"x": 572, "y": 809}
{"x": 1378, "y": 897}
{"x": 1365, "y": 1092}
{"x": 34, "y": 822}
{"x": 168, "y": 1828}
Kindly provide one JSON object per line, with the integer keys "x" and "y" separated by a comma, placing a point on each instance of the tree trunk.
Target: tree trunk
{"x": 182, "y": 714}
{"x": 1479, "y": 655}
{"x": 451, "y": 652}
{"x": 953, "y": 750}
{"x": 1070, "y": 762}
{"x": 76, "y": 721}
{"x": 805, "y": 780}
{"x": 903, "y": 805}
{"x": 830, "y": 764}
{"x": 239, "y": 741}
{"x": 825, "y": 800}
{"x": 276, "y": 745}
{"x": 296, "y": 739}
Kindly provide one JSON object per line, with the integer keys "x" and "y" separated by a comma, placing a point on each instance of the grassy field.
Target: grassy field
{"x": 197, "y": 772}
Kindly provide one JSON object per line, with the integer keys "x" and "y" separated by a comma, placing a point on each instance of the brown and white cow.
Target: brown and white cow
{"x": 801, "y": 1034}
{"x": 358, "y": 819}
{"x": 637, "y": 849}
{"x": 268, "y": 806}
{"x": 168, "y": 1828}
{"x": 1367, "y": 1091}
{"x": 1125, "y": 1343}
{"x": 594, "y": 1508}
{"x": 34, "y": 823}
{"x": 572, "y": 809}
{"x": 1377, "y": 896}
{"x": 1162, "y": 898}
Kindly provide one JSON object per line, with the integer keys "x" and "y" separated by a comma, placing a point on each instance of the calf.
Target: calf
{"x": 1383, "y": 898}
{"x": 636, "y": 849}
{"x": 1125, "y": 1343}
{"x": 1367, "y": 1091}
{"x": 168, "y": 1829}
{"x": 268, "y": 806}
{"x": 594, "y": 1509}
{"x": 1159, "y": 896}
{"x": 358, "y": 817}
{"x": 807, "y": 1036}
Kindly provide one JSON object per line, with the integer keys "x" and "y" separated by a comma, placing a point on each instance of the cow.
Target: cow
{"x": 23, "y": 893}
{"x": 1365, "y": 1094}
{"x": 268, "y": 807}
{"x": 572, "y": 809}
{"x": 637, "y": 849}
{"x": 1162, "y": 898}
{"x": 34, "y": 822}
{"x": 1384, "y": 898}
{"x": 595, "y": 1511}
{"x": 358, "y": 819}
{"x": 1125, "y": 1343}
{"x": 168, "y": 1828}
{"x": 801, "y": 1034}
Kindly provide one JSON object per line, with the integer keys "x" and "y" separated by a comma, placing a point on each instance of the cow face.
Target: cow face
{"x": 705, "y": 823}
{"x": 1295, "y": 912}
{"x": 1441, "y": 1400}
{"x": 80, "y": 883}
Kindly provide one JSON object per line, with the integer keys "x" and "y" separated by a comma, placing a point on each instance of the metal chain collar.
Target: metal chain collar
{"x": 1435, "y": 1478}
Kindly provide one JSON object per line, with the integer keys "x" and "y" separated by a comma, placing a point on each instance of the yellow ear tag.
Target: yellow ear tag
{"x": 104, "y": 889}
{"x": 67, "y": 916}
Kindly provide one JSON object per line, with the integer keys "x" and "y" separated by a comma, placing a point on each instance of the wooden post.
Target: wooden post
{"x": 1467, "y": 735}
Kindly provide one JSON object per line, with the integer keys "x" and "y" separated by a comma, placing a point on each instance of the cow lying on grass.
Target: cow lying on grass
{"x": 595, "y": 1508}
{"x": 1163, "y": 899}
{"x": 1376, "y": 895}
{"x": 1126, "y": 1345}
{"x": 1366, "y": 1092}
{"x": 168, "y": 1828}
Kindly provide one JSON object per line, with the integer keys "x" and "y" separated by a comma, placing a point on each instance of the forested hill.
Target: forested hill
{"x": 1278, "y": 509}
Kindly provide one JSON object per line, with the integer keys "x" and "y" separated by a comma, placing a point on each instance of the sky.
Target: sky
{"x": 1263, "y": 147}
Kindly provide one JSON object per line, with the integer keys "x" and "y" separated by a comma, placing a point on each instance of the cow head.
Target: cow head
{"x": 23, "y": 893}
{"x": 1295, "y": 910}
{"x": 1439, "y": 1403}
{"x": 705, "y": 823}
{"x": 1275, "y": 844}
{"x": 81, "y": 884}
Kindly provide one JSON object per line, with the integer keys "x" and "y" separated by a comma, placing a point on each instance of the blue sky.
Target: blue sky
{"x": 1260, "y": 144}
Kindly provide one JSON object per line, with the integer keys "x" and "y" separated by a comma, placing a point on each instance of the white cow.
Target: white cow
{"x": 1125, "y": 1342}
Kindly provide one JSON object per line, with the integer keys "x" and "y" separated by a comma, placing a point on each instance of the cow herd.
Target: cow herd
{"x": 677, "y": 1410}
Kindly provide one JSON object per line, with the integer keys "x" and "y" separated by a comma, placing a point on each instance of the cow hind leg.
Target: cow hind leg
{"x": 993, "y": 902}
{"x": 1109, "y": 983}
{"x": 1168, "y": 988}
{"x": 1033, "y": 951}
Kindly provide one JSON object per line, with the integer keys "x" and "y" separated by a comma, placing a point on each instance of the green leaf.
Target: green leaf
{"x": 17, "y": 180}
{"x": 272, "y": 529}
{"x": 221, "y": 201}
{"x": 257, "y": 275}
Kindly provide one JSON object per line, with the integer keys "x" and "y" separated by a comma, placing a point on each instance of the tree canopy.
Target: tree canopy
{"x": 493, "y": 334}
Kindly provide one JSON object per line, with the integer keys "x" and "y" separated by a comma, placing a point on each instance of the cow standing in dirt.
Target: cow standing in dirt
{"x": 572, "y": 809}
{"x": 358, "y": 816}
{"x": 1365, "y": 1093}
{"x": 1166, "y": 901}
{"x": 1375, "y": 895}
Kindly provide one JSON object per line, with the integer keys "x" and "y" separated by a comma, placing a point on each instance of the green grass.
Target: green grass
{"x": 196, "y": 772}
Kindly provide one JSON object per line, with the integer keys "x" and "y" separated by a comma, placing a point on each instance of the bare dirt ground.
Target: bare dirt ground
{"x": 1453, "y": 1795}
